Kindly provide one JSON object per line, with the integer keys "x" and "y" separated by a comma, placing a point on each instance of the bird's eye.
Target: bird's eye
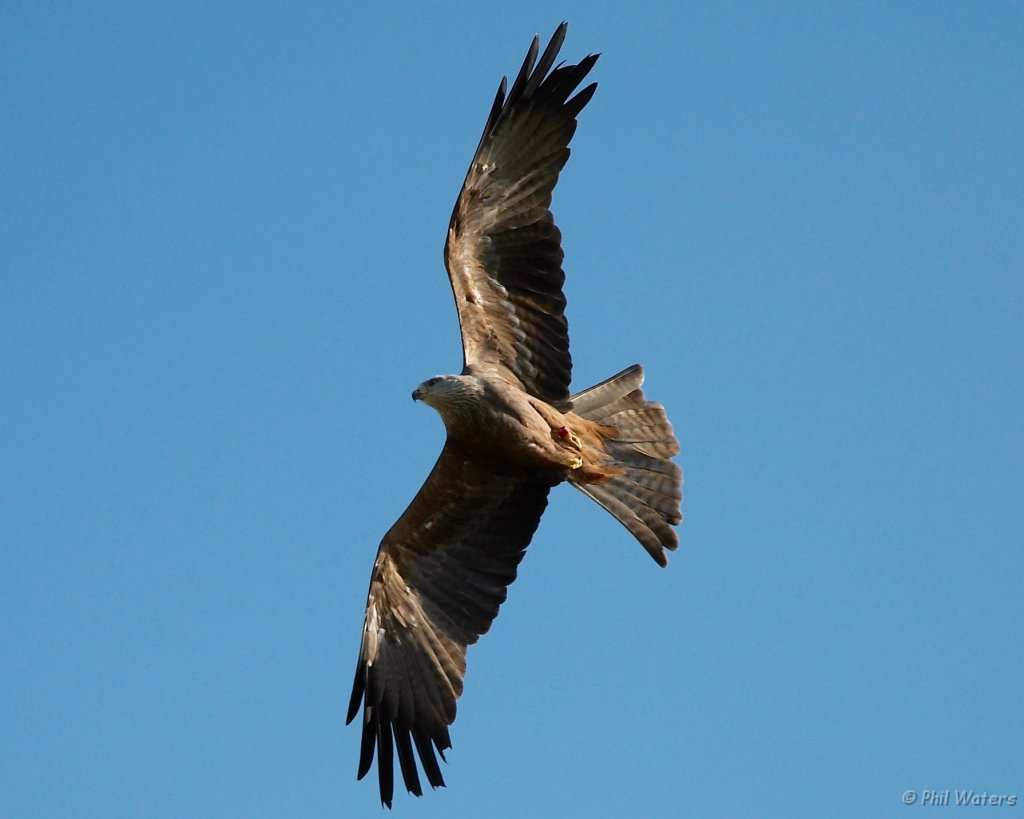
{"x": 432, "y": 381}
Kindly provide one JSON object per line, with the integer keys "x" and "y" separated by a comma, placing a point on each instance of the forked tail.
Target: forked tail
{"x": 646, "y": 494}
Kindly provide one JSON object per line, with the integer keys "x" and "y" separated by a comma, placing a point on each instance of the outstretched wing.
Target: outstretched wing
{"x": 441, "y": 573}
{"x": 503, "y": 252}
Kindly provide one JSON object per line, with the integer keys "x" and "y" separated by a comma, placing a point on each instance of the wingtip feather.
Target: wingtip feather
{"x": 357, "y": 694}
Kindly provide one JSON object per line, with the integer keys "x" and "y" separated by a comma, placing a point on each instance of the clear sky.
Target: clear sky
{"x": 221, "y": 277}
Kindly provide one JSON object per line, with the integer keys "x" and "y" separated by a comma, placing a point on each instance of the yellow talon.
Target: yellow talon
{"x": 567, "y": 434}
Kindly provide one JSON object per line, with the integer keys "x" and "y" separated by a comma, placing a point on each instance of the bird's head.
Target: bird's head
{"x": 448, "y": 394}
{"x": 437, "y": 390}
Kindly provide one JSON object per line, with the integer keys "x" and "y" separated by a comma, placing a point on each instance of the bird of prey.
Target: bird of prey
{"x": 513, "y": 432}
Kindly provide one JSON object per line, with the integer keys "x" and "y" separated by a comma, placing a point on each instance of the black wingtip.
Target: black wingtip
{"x": 358, "y": 685}
{"x": 385, "y": 762}
{"x": 525, "y": 69}
{"x": 367, "y": 746}
{"x": 406, "y": 761}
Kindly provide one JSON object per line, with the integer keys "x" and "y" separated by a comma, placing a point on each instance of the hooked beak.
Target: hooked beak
{"x": 416, "y": 394}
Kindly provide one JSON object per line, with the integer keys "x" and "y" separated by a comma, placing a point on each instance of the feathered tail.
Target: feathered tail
{"x": 643, "y": 490}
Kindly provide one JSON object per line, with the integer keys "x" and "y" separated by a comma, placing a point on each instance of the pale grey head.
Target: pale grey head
{"x": 447, "y": 390}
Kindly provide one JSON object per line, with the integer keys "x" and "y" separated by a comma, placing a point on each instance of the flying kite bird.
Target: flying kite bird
{"x": 513, "y": 432}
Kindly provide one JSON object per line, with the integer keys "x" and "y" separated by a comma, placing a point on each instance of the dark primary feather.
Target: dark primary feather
{"x": 441, "y": 573}
{"x": 503, "y": 252}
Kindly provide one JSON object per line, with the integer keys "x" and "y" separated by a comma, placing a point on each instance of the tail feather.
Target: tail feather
{"x": 644, "y": 491}
{"x": 643, "y": 428}
{"x": 602, "y": 397}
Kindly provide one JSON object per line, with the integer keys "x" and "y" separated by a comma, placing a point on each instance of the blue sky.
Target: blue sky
{"x": 221, "y": 276}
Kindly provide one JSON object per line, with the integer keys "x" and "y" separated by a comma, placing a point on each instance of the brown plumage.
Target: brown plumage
{"x": 444, "y": 568}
